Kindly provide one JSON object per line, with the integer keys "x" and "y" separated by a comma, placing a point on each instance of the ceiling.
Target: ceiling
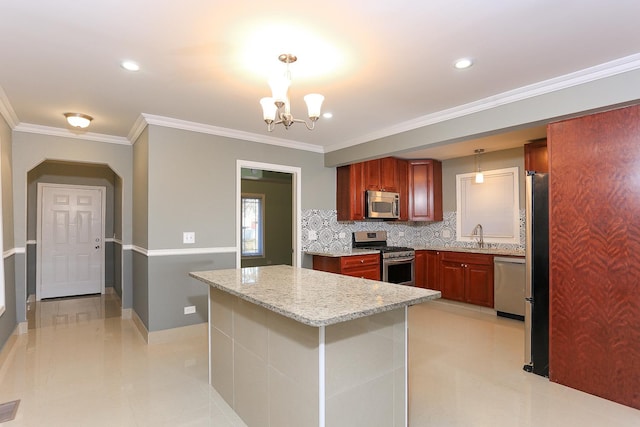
{"x": 378, "y": 64}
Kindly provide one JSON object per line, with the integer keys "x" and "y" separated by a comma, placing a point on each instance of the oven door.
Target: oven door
{"x": 398, "y": 271}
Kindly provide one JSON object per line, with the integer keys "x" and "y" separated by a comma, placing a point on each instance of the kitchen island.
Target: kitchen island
{"x": 297, "y": 347}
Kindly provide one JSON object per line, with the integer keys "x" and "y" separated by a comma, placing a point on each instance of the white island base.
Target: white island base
{"x": 278, "y": 370}
{"x": 275, "y": 371}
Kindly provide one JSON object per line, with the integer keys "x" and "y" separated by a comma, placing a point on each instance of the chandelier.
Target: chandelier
{"x": 277, "y": 109}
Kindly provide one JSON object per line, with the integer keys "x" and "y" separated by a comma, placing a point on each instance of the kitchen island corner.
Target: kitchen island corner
{"x": 291, "y": 346}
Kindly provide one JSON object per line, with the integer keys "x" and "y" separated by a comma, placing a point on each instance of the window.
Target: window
{"x": 493, "y": 204}
{"x": 253, "y": 225}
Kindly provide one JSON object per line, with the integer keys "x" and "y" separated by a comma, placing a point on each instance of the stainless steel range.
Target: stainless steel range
{"x": 396, "y": 262}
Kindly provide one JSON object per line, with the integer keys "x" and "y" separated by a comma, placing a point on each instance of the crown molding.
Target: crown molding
{"x": 137, "y": 128}
{"x": 6, "y": 110}
{"x": 587, "y": 75}
{"x": 229, "y": 133}
{"x": 601, "y": 71}
{"x": 54, "y": 131}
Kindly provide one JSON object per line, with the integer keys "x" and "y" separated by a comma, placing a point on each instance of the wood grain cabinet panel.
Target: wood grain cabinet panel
{"x": 427, "y": 269}
{"x": 350, "y": 192}
{"x": 364, "y": 266}
{"x": 594, "y": 227}
{"x": 536, "y": 157}
{"x": 425, "y": 190}
{"x": 381, "y": 174}
{"x": 467, "y": 277}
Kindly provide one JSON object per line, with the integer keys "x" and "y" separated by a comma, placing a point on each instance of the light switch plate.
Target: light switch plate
{"x": 188, "y": 237}
{"x": 190, "y": 309}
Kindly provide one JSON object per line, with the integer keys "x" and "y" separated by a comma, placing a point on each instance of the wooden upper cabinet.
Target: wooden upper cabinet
{"x": 425, "y": 190}
{"x": 350, "y": 192}
{"x": 536, "y": 156}
{"x": 402, "y": 169}
{"x": 381, "y": 174}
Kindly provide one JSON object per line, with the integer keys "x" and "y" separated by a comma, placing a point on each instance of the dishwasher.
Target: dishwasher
{"x": 508, "y": 287}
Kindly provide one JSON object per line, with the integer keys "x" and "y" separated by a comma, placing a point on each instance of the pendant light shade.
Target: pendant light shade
{"x": 479, "y": 174}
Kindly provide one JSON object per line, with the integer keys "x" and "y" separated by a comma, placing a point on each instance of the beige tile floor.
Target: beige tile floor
{"x": 82, "y": 365}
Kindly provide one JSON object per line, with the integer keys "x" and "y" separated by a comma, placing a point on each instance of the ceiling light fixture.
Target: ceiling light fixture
{"x": 130, "y": 66}
{"x": 463, "y": 63}
{"x": 78, "y": 120}
{"x": 479, "y": 174}
{"x": 278, "y": 104}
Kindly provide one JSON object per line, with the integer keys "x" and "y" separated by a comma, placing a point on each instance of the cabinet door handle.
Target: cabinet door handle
{"x": 361, "y": 261}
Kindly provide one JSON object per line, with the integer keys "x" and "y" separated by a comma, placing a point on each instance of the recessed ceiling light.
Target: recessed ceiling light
{"x": 327, "y": 115}
{"x": 130, "y": 66}
{"x": 463, "y": 63}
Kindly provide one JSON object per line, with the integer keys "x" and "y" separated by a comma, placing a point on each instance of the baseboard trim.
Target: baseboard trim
{"x": 170, "y": 335}
{"x": 22, "y": 328}
{"x": 140, "y": 326}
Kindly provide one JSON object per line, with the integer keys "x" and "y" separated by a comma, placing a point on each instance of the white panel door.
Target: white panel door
{"x": 70, "y": 241}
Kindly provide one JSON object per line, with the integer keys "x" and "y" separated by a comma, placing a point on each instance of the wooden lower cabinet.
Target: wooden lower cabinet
{"x": 427, "y": 269}
{"x": 467, "y": 277}
{"x": 364, "y": 266}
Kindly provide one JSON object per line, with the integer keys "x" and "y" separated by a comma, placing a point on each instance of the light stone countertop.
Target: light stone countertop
{"x": 311, "y": 297}
{"x": 488, "y": 251}
{"x": 350, "y": 252}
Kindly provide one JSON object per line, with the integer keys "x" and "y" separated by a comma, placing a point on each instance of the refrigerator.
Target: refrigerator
{"x": 536, "y": 316}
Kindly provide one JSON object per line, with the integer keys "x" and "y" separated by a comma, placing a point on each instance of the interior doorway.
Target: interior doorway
{"x": 71, "y": 235}
{"x": 271, "y": 234}
{"x": 83, "y": 175}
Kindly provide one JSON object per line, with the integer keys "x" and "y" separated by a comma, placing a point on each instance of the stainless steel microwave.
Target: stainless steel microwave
{"x": 382, "y": 204}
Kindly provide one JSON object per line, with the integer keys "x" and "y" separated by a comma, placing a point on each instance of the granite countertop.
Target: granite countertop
{"x": 488, "y": 251}
{"x": 350, "y": 252}
{"x": 315, "y": 298}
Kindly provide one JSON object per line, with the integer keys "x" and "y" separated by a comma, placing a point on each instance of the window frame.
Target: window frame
{"x": 261, "y": 252}
{"x": 502, "y": 184}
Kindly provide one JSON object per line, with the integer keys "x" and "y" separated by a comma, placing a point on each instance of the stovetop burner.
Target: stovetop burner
{"x": 377, "y": 240}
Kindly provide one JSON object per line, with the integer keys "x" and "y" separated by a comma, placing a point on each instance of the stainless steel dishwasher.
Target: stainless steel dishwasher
{"x": 508, "y": 286}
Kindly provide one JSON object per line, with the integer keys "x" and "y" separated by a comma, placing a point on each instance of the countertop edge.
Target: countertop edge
{"x": 321, "y": 322}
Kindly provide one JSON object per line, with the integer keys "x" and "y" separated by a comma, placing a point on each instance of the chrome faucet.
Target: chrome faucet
{"x": 477, "y": 232}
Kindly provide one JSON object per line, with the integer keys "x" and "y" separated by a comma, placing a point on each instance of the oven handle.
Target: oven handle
{"x": 390, "y": 261}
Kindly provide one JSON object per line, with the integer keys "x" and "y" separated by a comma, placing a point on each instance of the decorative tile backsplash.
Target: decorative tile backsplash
{"x": 334, "y": 236}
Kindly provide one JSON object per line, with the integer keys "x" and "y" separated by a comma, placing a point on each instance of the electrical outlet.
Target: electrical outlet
{"x": 342, "y": 235}
{"x": 188, "y": 237}
{"x": 190, "y": 309}
{"x": 313, "y": 235}
{"x": 401, "y": 234}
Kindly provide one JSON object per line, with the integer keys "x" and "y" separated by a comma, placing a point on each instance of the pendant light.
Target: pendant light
{"x": 479, "y": 174}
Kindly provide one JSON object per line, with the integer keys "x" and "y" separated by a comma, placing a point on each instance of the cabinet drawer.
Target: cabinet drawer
{"x": 467, "y": 258}
{"x": 348, "y": 262}
{"x": 366, "y": 272}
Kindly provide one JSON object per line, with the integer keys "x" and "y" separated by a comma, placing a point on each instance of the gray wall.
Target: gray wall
{"x": 278, "y": 220}
{"x": 488, "y": 161}
{"x": 621, "y": 89}
{"x": 9, "y": 319}
{"x": 140, "y": 274}
{"x": 192, "y": 187}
